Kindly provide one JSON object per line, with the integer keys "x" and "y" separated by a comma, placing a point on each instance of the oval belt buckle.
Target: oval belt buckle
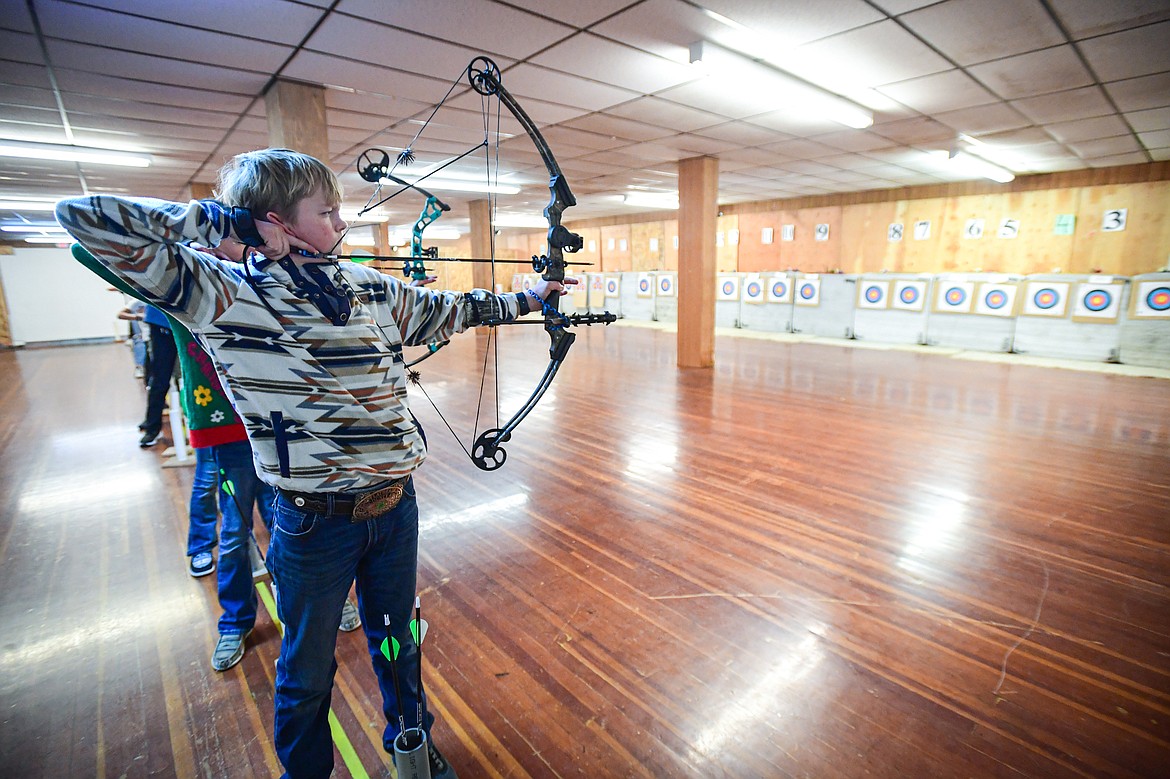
{"x": 376, "y": 503}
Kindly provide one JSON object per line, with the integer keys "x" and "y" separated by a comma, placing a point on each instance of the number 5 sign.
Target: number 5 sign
{"x": 1114, "y": 220}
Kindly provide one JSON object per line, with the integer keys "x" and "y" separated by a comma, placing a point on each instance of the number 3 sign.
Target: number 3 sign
{"x": 1114, "y": 220}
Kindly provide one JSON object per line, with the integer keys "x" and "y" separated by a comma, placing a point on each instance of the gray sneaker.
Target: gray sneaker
{"x": 201, "y": 564}
{"x": 350, "y": 619}
{"x": 229, "y": 650}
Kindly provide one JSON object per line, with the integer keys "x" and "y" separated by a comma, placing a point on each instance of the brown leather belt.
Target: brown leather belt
{"x": 357, "y": 506}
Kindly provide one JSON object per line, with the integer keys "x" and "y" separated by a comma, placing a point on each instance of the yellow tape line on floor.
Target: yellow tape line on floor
{"x": 344, "y": 746}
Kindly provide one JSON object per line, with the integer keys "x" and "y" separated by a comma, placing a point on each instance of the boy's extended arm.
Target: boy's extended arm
{"x": 143, "y": 242}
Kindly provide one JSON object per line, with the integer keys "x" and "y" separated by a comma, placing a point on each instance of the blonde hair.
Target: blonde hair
{"x": 275, "y": 180}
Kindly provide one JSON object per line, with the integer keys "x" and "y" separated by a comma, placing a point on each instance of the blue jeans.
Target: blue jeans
{"x": 315, "y": 558}
{"x": 201, "y": 526}
{"x": 237, "y": 493}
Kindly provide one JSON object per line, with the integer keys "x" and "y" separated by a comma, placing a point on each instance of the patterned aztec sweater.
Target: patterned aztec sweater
{"x": 211, "y": 420}
{"x": 324, "y": 404}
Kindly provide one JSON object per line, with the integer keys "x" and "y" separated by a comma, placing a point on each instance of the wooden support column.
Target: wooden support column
{"x": 197, "y": 190}
{"x": 296, "y": 118}
{"x": 698, "y": 190}
{"x": 481, "y": 243}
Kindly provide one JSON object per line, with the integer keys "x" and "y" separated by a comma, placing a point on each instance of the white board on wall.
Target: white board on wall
{"x": 52, "y": 297}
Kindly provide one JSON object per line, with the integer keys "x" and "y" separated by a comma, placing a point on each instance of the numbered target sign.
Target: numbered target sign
{"x": 779, "y": 290}
{"x": 666, "y": 285}
{"x": 517, "y": 282}
{"x": 1045, "y": 298}
{"x": 954, "y": 297}
{"x": 613, "y": 286}
{"x": 727, "y": 287}
{"x": 822, "y": 232}
{"x": 808, "y": 291}
{"x": 1151, "y": 300}
{"x": 787, "y": 232}
{"x": 894, "y": 232}
{"x": 909, "y": 295}
{"x": 645, "y": 285}
{"x": 1009, "y": 228}
{"x": 973, "y": 228}
{"x": 873, "y": 294}
{"x": 753, "y": 289}
{"x": 996, "y": 300}
{"x": 922, "y": 230}
{"x": 1097, "y": 302}
{"x": 1114, "y": 220}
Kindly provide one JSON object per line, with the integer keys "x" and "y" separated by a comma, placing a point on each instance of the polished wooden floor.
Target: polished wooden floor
{"x": 809, "y": 561}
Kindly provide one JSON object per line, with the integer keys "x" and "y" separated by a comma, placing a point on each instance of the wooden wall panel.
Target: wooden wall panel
{"x": 805, "y": 252}
{"x": 754, "y": 254}
{"x": 646, "y": 246}
{"x": 925, "y": 255}
{"x": 865, "y": 247}
{"x": 615, "y": 258}
{"x": 727, "y": 253}
{"x": 1143, "y": 246}
{"x": 670, "y": 252}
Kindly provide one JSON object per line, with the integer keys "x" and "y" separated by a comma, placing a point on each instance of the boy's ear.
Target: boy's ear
{"x": 276, "y": 218}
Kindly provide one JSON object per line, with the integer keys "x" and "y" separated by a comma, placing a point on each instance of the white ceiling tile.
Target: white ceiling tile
{"x": 984, "y": 119}
{"x": 740, "y": 134}
{"x": 1112, "y": 160}
{"x": 1136, "y": 94}
{"x": 666, "y": 28}
{"x": 706, "y": 95}
{"x": 947, "y": 91}
{"x": 1138, "y": 52}
{"x": 1036, "y": 73}
{"x": 320, "y": 68}
{"x": 1149, "y": 121}
{"x": 881, "y": 53}
{"x": 85, "y": 83}
{"x": 477, "y": 27}
{"x": 1086, "y": 18}
{"x": 1160, "y": 155}
{"x": 970, "y": 31}
{"x": 853, "y": 140}
{"x": 697, "y": 144}
{"x": 796, "y": 23}
{"x": 799, "y": 148}
{"x": 1082, "y": 103}
{"x": 655, "y": 110}
{"x": 920, "y": 129}
{"x": 1102, "y": 147}
{"x": 16, "y": 95}
{"x": 143, "y": 67}
{"x": 593, "y": 57}
{"x": 619, "y": 128}
{"x": 1088, "y": 129}
{"x": 20, "y": 47}
{"x": 524, "y": 81}
{"x": 578, "y": 14}
{"x": 1156, "y": 139}
{"x": 147, "y": 35}
{"x": 898, "y": 7}
{"x": 794, "y": 122}
{"x": 587, "y": 140}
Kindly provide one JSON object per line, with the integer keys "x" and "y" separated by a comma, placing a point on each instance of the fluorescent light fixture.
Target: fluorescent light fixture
{"x": 456, "y": 185}
{"x": 33, "y": 227}
{"x": 520, "y": 220}
{"x": 667, "y": 200}
{"x": 970, "y": 165}
{"x": 48, "y": 239}
{"x": 360, "y": 240}
{"x": 27, "y": 205}
{"x": 441, "y": 234}
{"x": 60, "y": 151}
{"x": 792, "y": 93}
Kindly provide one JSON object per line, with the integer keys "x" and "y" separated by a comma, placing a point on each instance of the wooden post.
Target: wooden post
{"x": 698, "y": 191}
{"x": 197, "y": 190}
{"x": 481, "y": 243}
{"x": 296, "y": 118}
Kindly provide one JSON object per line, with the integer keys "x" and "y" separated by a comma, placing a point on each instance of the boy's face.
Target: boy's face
{"x": 316, "y": 221}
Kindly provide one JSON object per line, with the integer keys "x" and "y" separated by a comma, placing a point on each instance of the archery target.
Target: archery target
{"x": 645, "y": 285}
{"x": 908, "y": 295}
{"x": 613, "y": 286}
{"x": 666, "y": 285}
{"x": 954, "y": 297}
{"x": 1151, "y": 300}
{"x": 779, "y": 290}
{"x": 996, "y": 300}
{"x": 1097, "y": 302}
{"x": 529, "y": 281}
{"x": 727, "y": 288}
{"x": 753, "y": 289}
{"x": 808, "y": 291}
{"x": 517, "y": 282}
{"x": 873, "y": 294}
{"x": 1046, "y": 298}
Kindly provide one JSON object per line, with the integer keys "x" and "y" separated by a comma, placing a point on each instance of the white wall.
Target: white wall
{"x": 52, "y": 297}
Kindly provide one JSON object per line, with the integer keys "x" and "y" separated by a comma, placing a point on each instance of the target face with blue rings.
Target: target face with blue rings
{"x": 956, "y": 296}
{"x": 908, "y": 295}
{"x": 1159, "y": 299}
{"x": 1045, "y": 298}
{"x": 874, "y": 294}
{"x": 1098, "y": 300}
{"x": 754, "y": 289}
{"x": 995, "y": 299}
{"x": 728, "y": 288}
{"x": 808, "y": 291}
{"x": 644, "y": 285}
{"x": 779, "y": 289}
